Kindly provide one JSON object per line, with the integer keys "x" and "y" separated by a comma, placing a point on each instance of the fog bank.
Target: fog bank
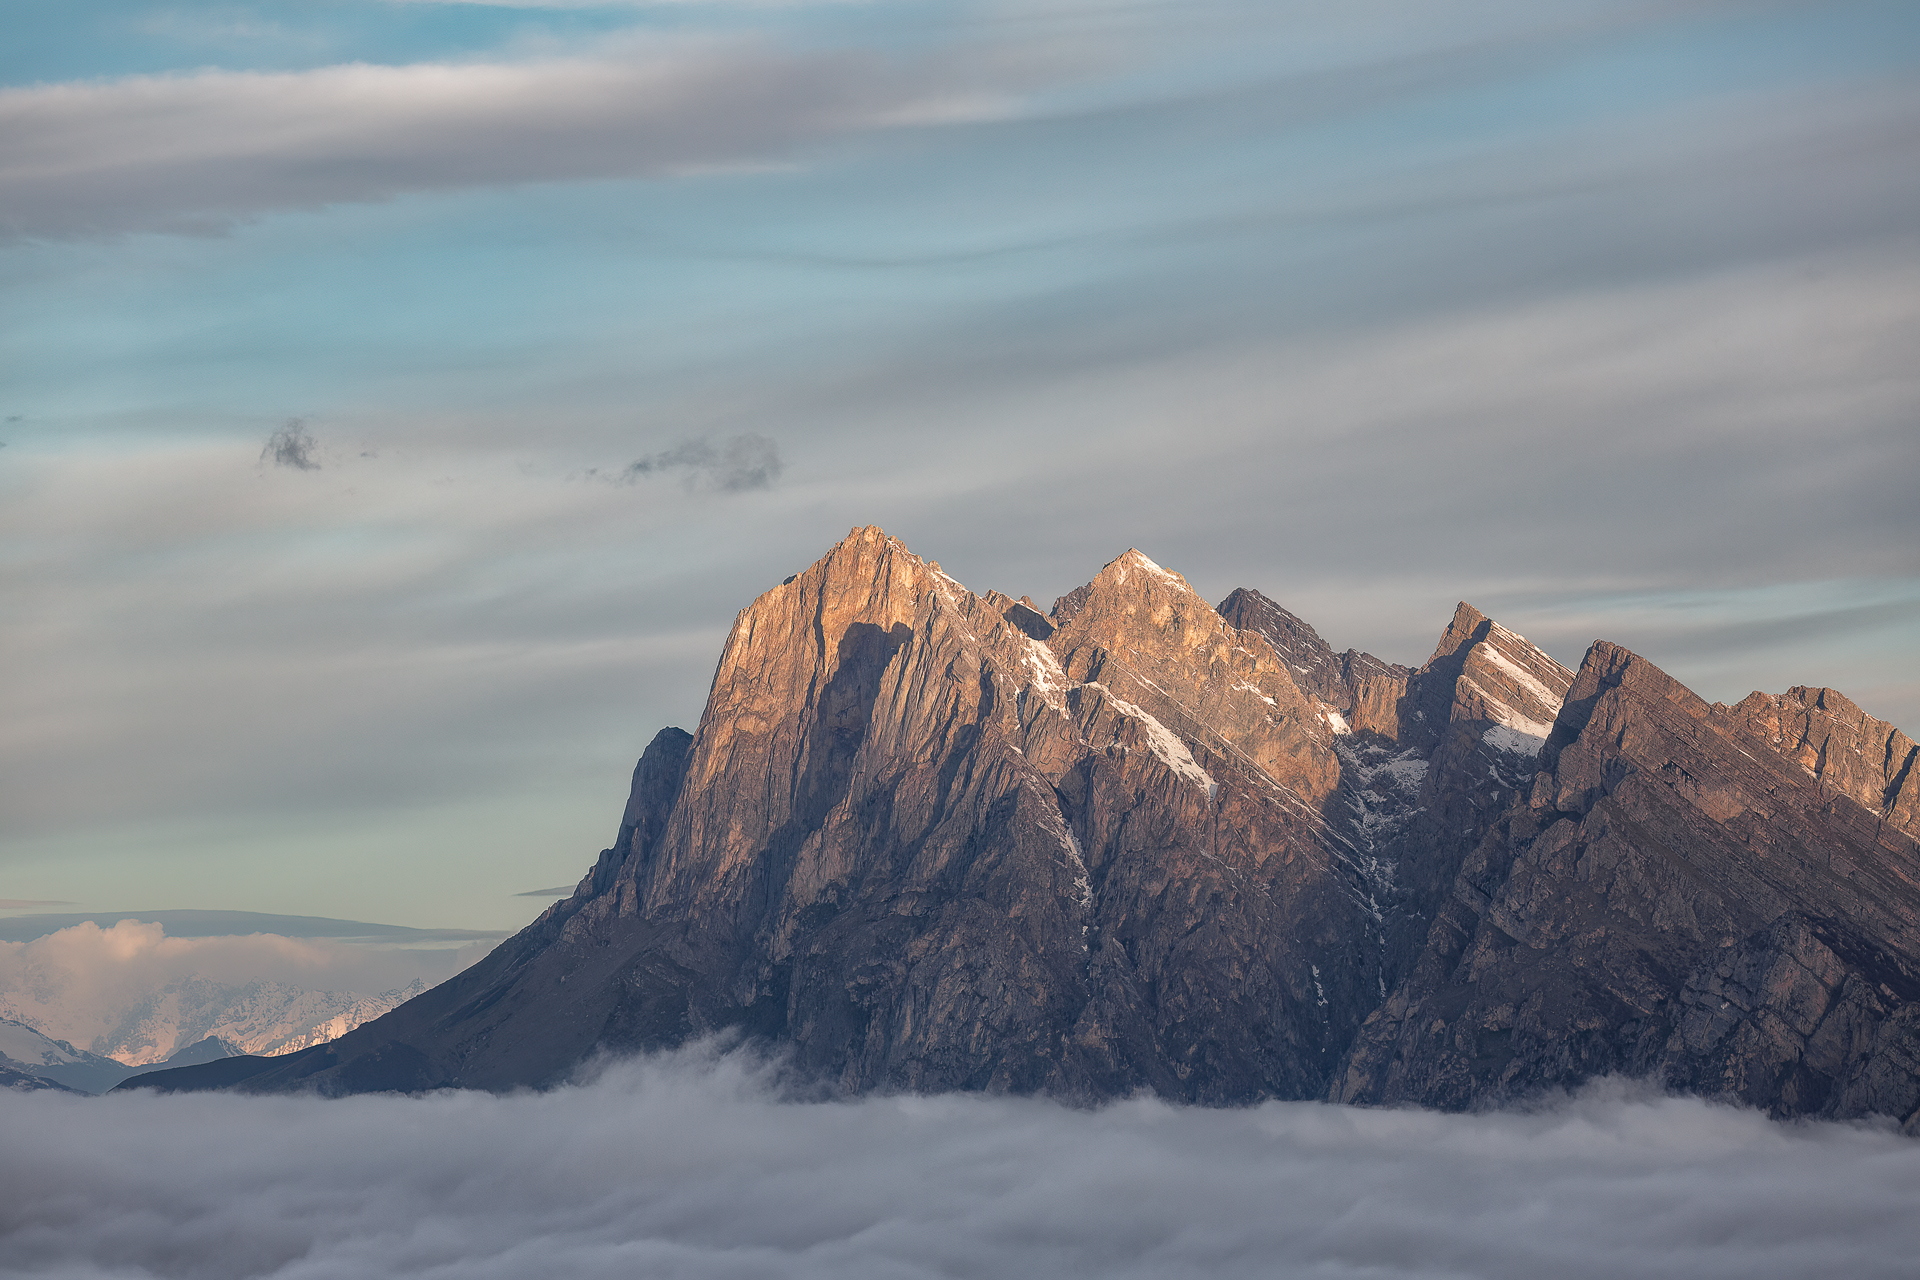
{"x": 693, "y": 1165}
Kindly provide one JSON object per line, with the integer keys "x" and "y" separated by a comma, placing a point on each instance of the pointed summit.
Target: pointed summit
{"x": 1134, "y": 561}
{"x": 1131, "y": 563}
{"x": 1468, "y": 625}
{"x": 1142, "y": 631}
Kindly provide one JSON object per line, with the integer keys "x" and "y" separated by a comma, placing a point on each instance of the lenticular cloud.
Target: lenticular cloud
{"x": 695, "y": 1165}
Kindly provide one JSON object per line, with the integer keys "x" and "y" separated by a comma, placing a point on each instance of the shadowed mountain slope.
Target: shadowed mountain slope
{"x": 1674, "y": 895}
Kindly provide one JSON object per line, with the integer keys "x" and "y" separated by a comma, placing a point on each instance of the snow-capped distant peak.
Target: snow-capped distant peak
{"x": 30, "y": 1048}
{"x": 32, "y": 1052}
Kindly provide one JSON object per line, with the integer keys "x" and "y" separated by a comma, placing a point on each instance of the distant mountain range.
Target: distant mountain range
{"x": 255, "y": 1017}
{"x": 121, "y": 985}
{"x": 936, "y": 840}
{"x": 31, "y": 1060}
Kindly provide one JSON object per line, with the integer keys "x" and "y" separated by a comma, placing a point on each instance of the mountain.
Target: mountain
{"x": 26, "y": 1052}
{"x": 31, "y": 1055}
{"x": 931, "y": 839}
{"x": 26, "y": 1082}
{"x": 259, "y": 1017}
{"x": 150, "y": 1024}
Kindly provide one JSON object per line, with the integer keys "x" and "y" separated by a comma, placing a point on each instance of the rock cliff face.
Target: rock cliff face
{"x": 1862, "y": 758}
{"x": 932, "y": 839}
{"x": 1674, "y": 895}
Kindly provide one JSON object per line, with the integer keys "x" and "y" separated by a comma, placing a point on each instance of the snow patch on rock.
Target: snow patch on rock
{"x": 1254, "y": 689}
{"x": 1503, "y": 714}
{"x": 1523, "y": 678}
{"x": 1076, "y": 860}
{"x": 1514, "y": 742}
{"x": 1046, "y": 676}
{"x": 1166, "y": 744}
{"x": 1083, "y": 887}
{"x": 1133, "y": 559}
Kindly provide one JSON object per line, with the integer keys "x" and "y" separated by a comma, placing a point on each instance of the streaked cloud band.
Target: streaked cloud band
{"x": 196, "y": 152}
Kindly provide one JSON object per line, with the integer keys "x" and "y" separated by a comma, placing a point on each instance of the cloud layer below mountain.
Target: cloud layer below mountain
{"x": 695, "y": 1166}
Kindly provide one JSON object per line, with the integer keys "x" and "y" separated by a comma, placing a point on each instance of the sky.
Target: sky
{"x": 399, "y": 399}
{"x": 703, "y": 1168}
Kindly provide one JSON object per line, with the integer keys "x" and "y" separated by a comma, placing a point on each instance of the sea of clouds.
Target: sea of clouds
{"x": 704, "y": 1164}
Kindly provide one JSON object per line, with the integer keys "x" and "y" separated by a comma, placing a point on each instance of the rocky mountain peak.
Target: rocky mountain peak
{"x": 929, "y": 838}
{"x": 1134, "y": 561}
{"x": 1312, "y": 660}
{"x": 1361, "y": 693}
{"x": 1840, "y": 745}
{"x": 1512, "y": 683}
{"x": 1142, "y": 632}
{"x": 1468, "y": 625}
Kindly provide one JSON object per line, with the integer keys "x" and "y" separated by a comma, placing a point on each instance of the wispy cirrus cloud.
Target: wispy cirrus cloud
{"x": 198, "y": 152}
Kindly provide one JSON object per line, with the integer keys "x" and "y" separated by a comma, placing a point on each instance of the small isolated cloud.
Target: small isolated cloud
{"x": 690, "y": 1166}
{"x": 737, "y": 464}
{"x": 558, "y": 891}
{"x": 291, "y": 446}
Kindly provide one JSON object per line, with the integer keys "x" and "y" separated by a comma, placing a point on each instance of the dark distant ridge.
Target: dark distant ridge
{"x": 224, "y": 924}
{"x": 26, "y": 1082}
{"x": 219, "y": 1073}
{"x": 44, "y": 1058}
